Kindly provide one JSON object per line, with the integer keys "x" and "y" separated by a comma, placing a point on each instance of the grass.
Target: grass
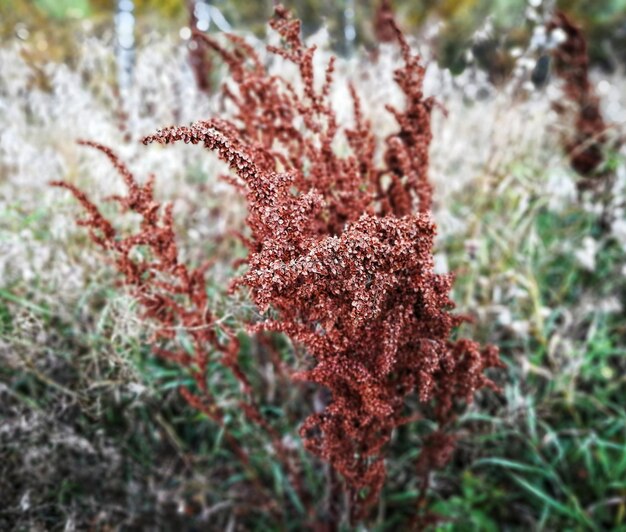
{"x": 554, "y": 456}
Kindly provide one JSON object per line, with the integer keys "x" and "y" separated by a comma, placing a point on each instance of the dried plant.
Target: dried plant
{"x": 198, "y": 61}
{"x": 586, "y": 148}
{"x": 169, "y": 293}
{"x": 340, "y": 260}
{"x": 173, "y": 297}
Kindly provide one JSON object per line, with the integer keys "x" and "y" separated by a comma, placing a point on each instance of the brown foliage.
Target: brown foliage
{"x": 571, "y": 64}
{"x": 173, "y": 298}
{"x": 344, "y": 264}
{"x": 340, "y": 260}
{"x": 200, "y": 63}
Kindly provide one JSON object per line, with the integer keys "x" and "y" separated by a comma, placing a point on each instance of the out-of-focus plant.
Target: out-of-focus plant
{"x": 589, "y": 141}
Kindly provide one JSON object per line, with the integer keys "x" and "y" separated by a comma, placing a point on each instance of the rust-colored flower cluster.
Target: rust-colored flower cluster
{"x": 171, "y": 295}
{"x": 173, "y": 298}
{"x": 340, "y": 258}
{"x": 340, "y": 250}
{"x": 571, "y": 63}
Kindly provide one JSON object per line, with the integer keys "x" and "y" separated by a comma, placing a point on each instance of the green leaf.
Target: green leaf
{"x": 510, "y": 464}
{"x": 550, "y": 501}
{"x": 5, "y": 294}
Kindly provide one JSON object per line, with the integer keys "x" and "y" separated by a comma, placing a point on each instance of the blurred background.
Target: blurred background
{"x": 52, "y": 24}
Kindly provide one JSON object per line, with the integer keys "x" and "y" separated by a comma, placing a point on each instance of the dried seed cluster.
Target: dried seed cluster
{"x": 340, "y": 250}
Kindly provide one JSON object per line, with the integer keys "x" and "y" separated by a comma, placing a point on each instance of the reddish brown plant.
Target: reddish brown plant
{"x": 173, "y": 298}
{"x": 340, "y": 260}
{"x": 586, "y": 148}
{"x": 200, "y": 63}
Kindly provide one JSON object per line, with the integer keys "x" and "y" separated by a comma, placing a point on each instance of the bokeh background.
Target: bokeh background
{"x": 54, "y": 21}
